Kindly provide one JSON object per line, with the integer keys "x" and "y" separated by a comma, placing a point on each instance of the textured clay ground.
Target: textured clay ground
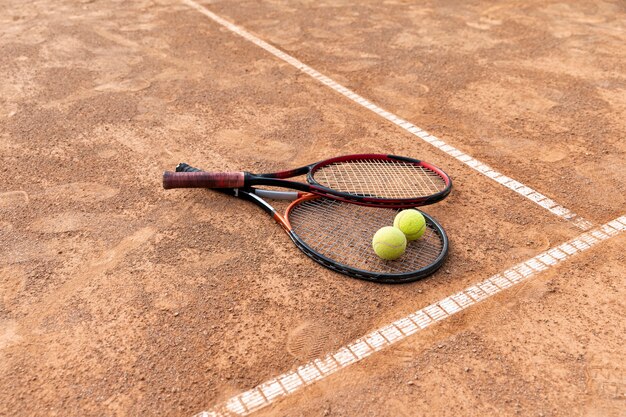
{"x": 119, "y": 298}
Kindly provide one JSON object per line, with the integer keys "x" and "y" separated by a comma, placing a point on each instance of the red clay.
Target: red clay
{"x": 120, "y": 298}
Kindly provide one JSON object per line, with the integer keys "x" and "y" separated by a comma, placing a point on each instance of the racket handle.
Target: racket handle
{"x": 203, "y": 179}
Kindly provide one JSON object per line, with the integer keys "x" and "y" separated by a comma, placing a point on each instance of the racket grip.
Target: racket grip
{"x": 203, "y": 179}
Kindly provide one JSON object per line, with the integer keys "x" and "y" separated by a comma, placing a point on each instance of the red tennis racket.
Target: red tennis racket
{"x": 338, "y": 235}
{"x": 368, "y": 179}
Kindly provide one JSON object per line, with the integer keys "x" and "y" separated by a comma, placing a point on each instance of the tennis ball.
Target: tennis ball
{"x": 389, "y": 243}
{"x": 411, "y": 222}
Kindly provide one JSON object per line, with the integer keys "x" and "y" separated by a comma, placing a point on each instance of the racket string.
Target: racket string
{"x": 380, "y": 178}
{"x": 343, "y": 233}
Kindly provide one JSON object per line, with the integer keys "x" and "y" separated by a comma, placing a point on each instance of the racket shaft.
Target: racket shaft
{"x": 203, "y": 179}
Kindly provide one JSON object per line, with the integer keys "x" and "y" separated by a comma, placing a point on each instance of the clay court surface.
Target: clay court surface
{"x": 119, "y": 298}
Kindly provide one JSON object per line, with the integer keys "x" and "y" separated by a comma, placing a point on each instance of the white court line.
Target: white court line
{"x": 311, "y": 372}
{"x": 471, "y": 162}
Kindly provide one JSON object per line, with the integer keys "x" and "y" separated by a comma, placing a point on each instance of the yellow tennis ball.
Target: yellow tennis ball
{"x": 411, "y": 222}
{"x": 389, "y": 243}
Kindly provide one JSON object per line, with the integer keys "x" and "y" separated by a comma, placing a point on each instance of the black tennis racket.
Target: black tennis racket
{"x": 368, "y": 179}
{"x": 338, "y": 235}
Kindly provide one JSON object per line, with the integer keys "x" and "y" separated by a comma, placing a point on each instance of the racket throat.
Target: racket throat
{"x": 266, "y": 207}
{"x": 287, "y": 174}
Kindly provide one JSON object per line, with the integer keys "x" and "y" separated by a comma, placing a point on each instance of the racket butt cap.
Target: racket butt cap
{"x": 167, "y": 180}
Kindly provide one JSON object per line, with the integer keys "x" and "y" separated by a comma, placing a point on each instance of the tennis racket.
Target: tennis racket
{"x": 338, "y": 235}
{"x": 369, "y": 179}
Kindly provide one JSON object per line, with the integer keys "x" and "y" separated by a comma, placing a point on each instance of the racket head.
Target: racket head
{"x": 380, "y": 180}
{"x": 339, "y": 235}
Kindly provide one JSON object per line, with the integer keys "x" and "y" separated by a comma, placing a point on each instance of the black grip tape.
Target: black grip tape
{"x": 183, "y": 167}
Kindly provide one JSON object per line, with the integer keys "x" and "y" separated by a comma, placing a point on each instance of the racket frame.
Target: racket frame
{"x": 278, "y": 179}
